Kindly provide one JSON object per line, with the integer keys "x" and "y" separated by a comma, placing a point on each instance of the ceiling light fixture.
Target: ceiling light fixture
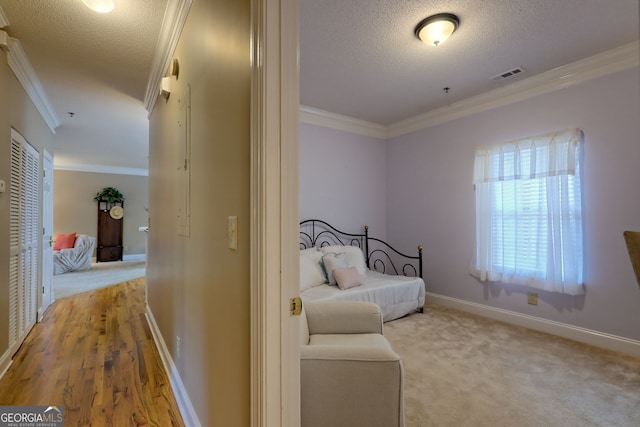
{"x": 435, "y": 29}
{"x": 102, "y": 6}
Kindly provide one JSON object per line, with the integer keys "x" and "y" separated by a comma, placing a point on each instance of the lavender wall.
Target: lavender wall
{"x": 430, "y": 199}
{"x": 343, "y": 179}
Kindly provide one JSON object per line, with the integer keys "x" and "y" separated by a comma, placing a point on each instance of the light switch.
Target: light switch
{"x": 232, "y": 232}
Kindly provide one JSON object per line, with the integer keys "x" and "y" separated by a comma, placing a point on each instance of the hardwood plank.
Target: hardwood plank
{"x": 94, "y": 354}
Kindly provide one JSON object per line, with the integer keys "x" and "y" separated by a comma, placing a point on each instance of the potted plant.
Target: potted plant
{"x": 110, "y": 195}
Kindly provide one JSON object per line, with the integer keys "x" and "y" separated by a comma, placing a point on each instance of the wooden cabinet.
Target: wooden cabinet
{"x": 110, "y": 220}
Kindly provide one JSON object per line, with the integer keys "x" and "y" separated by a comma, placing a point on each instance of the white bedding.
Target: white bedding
{"x": 397, "y": 296}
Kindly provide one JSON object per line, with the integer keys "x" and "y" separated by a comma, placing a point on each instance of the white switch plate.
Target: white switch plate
{"x": 232, "y": 232}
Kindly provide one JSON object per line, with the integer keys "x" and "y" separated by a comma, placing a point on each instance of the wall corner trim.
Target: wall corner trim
{"x": 576, "y": 333}
{"x": 187, "y": 411}
{"x": 175, "y": 17}
{"x": 21, "y": 67}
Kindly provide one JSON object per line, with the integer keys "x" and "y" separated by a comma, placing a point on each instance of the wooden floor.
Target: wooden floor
{"x": 94, "y": 354}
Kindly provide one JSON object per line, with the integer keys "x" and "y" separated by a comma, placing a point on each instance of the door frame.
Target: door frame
{"x": 275, "y": 353}
{"x": 46, "y": 297}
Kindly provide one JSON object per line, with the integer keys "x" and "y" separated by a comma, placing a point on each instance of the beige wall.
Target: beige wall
{"x": 16, "y": 110}
{"x": 76, "y": 211}
{"x": 198, "y": 289}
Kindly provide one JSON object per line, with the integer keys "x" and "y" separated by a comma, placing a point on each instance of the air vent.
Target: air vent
{"x": 508, "y": 74}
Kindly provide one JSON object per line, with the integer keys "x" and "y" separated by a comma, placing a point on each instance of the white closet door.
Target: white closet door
{"x": 15, "y": 251}
{"x": 24, "y": 238}
{"x": 32, "y": 236}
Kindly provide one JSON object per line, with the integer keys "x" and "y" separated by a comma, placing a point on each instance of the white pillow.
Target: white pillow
{"x": 311, "y": 273}
{"x": 333, "y": 261}
{"x": 347, "y": 278}
{"x": 356, "y": 257}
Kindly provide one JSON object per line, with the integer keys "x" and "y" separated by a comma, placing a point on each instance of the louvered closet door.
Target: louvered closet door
{"x": 24, "y": 238}
{"x": 15, "y": 252}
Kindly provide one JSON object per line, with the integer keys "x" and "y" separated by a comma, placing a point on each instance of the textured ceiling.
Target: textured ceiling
{"x": 96, "y": 66}
{"x": 360, "y": 58}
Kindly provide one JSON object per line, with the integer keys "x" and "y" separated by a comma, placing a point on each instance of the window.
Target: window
{"x": 528, "y": 212}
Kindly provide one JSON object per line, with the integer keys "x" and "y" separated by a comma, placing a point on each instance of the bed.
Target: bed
{"x": 341, "y": 266}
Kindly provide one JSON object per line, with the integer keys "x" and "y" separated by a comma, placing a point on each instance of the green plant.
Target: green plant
{"x": 110, "y": 195}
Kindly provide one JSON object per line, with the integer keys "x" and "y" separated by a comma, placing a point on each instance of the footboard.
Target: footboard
{"x": 378, "y": 254}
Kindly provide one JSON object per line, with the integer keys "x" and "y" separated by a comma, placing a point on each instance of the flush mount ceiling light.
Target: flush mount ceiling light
{"x": 102, "y": 6}
{"x": 435, "y": 29}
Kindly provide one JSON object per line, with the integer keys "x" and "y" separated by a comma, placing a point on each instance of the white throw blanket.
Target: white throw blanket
{"x": 77, "y": 258}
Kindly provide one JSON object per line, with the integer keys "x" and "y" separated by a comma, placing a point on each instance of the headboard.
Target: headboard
{"x": 378, "y": 254}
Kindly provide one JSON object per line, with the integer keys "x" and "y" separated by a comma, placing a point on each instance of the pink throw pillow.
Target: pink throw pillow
{"x": 64, "y": 241}
{"x": 348, "y": 277}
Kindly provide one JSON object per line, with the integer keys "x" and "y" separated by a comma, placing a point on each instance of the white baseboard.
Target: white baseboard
{"x": 587, "y": 336}
{"x": 182, "y": 398}
{"x": 127, "y": 257}
{"x": 134, "y": 257}
{"x": 5, "y": 363}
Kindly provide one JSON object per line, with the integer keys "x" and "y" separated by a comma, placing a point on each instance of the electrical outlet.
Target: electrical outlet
{"x": 532, "y": 298}
{"x": 177, "y": 347}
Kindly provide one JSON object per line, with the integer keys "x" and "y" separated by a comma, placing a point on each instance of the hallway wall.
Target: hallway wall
{"x": 198, "y": 288}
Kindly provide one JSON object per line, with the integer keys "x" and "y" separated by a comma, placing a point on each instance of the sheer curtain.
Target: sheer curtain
{"x": 528, "y": 212}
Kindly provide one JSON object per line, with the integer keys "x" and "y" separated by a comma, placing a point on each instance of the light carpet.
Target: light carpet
{"x": 466, "y": 370}
{"x": 98, "y": 276}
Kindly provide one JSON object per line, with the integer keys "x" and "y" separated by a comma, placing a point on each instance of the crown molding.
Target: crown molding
{"x": 174, "y": 19}
{"x": 21, "y": 67}
{"x": 318, "y": 117}
{"x": 611, "y": 61}
{"x": 115, "y": 170}
{"x": 4, "y": 21}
